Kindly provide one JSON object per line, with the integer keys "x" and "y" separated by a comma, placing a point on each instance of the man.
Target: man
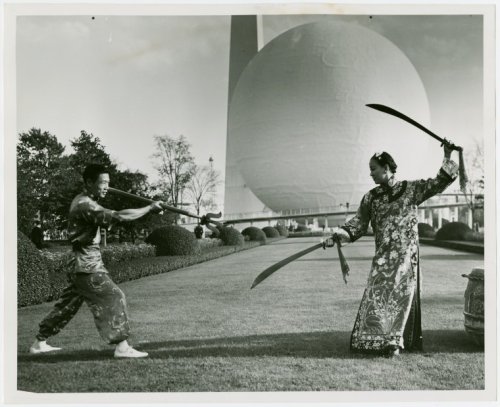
{"x": 89, "y": 279}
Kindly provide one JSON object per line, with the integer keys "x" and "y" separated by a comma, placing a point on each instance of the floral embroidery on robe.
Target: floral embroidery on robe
{"x": 389, "y": 313}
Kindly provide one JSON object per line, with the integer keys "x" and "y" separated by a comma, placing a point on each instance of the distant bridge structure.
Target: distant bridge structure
{"x": 447, "y": 206}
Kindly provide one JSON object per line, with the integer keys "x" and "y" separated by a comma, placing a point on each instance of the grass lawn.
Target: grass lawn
{"x": 206, "y": 330}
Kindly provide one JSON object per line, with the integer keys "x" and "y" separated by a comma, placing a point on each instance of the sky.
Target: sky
{"x": 446, "y": 51}
{"x": 128, "y": 78}
{"x": 125, "y": 79}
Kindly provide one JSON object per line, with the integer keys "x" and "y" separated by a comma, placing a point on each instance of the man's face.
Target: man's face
{"x": 99, "y": 188}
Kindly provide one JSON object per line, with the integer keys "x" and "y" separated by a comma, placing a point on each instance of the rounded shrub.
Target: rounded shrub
{"x": 173, "y": 240}
{"x": 282, "y": 230}
{"x": 454, "y": 231}
{"x": 425, "y": 230}
{"x": 33, "y": 283}
{"x": 214, "y": 232}
{"x": 254, "y": 234}
{"x": 271, "y": 232}
{"x": 231, "y": 237}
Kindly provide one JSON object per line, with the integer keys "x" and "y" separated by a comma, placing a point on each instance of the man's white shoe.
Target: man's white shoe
{"x": 42, "y": 347}
{"x": 129, "y": 352}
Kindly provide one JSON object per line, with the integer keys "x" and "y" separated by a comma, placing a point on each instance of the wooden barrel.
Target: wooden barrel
{"x": 474, "y": 305}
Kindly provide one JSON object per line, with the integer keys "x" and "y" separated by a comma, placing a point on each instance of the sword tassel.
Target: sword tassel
{"x": 344, "y": 266}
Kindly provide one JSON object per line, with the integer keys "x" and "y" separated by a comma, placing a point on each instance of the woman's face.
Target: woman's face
{"x": 377, "y": 172}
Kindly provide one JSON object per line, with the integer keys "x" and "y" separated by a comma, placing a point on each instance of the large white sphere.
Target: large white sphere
{"x": 298, "y": 123}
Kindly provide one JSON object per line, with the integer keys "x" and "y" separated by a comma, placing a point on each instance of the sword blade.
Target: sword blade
{"x": 270, "y": 270}
{"x": 393, "y": 112}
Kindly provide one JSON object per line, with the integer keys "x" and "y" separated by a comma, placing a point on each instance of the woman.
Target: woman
{"x": 388, "y": 319}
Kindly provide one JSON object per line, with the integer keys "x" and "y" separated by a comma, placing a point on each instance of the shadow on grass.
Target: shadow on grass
{"x": 335, "y": 258}
{"x": 449, "y": 341}
{"x": 299, "y": 345}
{"x": 297, "y": 242}
{"x": 457, "y": 256}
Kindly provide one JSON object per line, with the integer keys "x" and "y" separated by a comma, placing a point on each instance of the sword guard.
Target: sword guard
{"x": 451, "y": 146}
{"x": 205, "y": 219}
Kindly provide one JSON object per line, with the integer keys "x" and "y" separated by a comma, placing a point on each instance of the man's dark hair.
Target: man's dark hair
{"x": 384, "y": 159}
{"x": 92, "y": 172}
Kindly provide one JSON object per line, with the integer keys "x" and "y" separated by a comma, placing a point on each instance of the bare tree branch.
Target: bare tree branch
{"x": 202, "y": 186}
{"x": 174, "y": 164}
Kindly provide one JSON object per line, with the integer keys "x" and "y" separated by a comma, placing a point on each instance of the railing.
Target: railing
{"x": 289, "y": 214}
{"x": 313, "y": 212}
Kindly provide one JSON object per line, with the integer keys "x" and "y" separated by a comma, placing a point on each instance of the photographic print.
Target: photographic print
{"x": 255, "y": 200}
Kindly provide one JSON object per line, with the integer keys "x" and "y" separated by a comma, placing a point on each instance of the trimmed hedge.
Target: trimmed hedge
{"x": 282, "y": 230}
{"x": 208, "y": 243}
{"x": 136, "y": 268}
{"x": 425, "y": 230}
{"x": 58, "y": 267}
{"x": 173, "y": 240}
{"x": 157, "y": 265}
{"x": 43, "y": 274}
{"x": 309, "y": 233}
{"x": 119, "y": 253}
{"x": 254, "y": 234}
{"x": 301, "y": 228}
{"x": 231, "y": 237}
{"x": 475, "y": 237}
{"x": 454, "y": 231}
{"x": 33, "y": 285}
{"x": 270, "y": 231}
{"x": 112, "y": 255}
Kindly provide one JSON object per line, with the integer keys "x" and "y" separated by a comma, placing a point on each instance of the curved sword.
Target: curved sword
{"x": 394, "y": 112}
{"x": 389, "y": 110}
{"x": 270, "y": 270}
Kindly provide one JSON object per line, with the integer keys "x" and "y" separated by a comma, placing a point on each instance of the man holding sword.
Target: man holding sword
{"x": 89, "y": 280}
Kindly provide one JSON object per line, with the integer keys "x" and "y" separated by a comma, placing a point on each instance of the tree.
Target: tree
{"x": 88, "y": 149}
{"x": 474, "y": 190}
{"x": 137, "y": 184}
{"x": 68, "y": 181}
{"x": 175, "y": 166}
{"x": 202, "y": 186}
{"x": 39, "y": 159}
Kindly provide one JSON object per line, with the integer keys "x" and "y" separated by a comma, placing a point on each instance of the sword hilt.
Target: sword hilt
{"x": 451, "y": 146}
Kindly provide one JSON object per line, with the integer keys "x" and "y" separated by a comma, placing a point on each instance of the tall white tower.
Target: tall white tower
{"x": 244, "y": 45}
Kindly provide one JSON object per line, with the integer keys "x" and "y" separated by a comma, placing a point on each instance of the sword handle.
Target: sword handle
{"x": 451, "y": 146}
